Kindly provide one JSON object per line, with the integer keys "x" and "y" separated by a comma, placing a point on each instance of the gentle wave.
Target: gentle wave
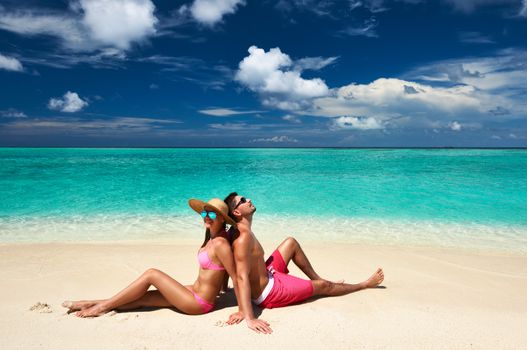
{"x": 473, "y": 236}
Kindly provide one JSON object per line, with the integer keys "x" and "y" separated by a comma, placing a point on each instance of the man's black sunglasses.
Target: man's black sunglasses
{"x": 242, "y": 200}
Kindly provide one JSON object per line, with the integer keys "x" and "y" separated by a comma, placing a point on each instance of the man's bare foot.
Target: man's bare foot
{"x": 375, "y": 279}
{"x": 78, "y": 305}
{"x": 94, "y": 311}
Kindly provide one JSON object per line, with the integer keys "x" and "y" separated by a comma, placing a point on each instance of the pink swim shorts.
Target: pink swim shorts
{"x": 286, "y": 289}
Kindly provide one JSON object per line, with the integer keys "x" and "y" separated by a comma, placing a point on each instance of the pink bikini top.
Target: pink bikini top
{"x": 206, "y": 262}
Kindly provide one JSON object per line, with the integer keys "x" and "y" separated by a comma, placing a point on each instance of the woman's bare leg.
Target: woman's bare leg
{"x": 77, "y": 305}
{"x": 290, "y": 250}
{"x": 327, "y": 288}
{"x": 174, "y": 293}
{"x": 152, "y": 298}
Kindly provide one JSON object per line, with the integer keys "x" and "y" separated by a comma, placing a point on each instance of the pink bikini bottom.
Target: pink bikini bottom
{"x": 205, "y": 305}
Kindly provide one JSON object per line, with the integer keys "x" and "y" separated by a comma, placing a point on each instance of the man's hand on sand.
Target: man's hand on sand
{"x": 235, "y": 318}
{"x": 259, "y": 326}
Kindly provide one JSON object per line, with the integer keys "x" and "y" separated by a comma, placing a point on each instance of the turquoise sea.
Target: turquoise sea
{"x": 441, "y": 197}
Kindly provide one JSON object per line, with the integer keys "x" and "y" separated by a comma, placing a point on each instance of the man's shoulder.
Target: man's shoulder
{"x": 243, "y": 236}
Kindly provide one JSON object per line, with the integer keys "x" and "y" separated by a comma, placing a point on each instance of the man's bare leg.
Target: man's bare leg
{"x": 327, "y": 288}
{"x": 290, "y": 250}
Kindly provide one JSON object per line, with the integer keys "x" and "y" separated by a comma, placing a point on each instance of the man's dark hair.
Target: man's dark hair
{"x": 229, "y": 200}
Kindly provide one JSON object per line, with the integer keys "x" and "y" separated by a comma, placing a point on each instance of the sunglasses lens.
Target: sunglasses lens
{"x": 212, "y": 215}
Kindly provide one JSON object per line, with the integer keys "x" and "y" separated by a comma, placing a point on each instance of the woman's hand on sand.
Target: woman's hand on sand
{"x": 236, "y": 318}
{"x": 259, "y": 326}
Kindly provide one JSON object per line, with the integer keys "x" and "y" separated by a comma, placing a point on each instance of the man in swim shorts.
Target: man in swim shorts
{"x": 268, "y": 283}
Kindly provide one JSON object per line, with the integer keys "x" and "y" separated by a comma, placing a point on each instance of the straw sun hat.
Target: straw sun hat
{"x": 215, "y": 204}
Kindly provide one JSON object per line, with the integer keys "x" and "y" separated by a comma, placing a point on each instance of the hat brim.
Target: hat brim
{"x": 198, "y": 206}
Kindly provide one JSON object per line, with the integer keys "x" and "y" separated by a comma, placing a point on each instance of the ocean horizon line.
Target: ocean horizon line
{"x": 245, "y": 147}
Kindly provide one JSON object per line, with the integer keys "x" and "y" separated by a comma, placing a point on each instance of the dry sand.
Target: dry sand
{"x": 434, "y": 299}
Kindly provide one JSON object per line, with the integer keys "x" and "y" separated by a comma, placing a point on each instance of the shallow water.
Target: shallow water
{"x": 460, "y": 194}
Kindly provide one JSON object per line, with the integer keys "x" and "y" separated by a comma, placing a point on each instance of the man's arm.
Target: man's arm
{"x": 242, "y": 258}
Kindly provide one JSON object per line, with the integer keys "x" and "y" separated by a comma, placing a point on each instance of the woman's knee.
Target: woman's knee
{"x": 151, "y": 273}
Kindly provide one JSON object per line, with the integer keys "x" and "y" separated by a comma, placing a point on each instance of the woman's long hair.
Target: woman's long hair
{"x": 207, "y": 237}
{"x": 207, "y": 234}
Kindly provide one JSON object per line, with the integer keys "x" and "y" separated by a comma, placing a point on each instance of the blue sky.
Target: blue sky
{"x": 281, "y": 73}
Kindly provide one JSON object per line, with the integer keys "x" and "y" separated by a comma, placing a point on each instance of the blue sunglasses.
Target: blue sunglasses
{"x": 212, "y": 215}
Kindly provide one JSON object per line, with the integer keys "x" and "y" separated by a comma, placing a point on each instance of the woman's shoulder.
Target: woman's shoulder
{"x": 220, "y": 242}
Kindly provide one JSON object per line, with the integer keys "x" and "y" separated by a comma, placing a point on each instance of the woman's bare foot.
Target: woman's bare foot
{"x": 78, "y": 305}
{"x": 375, "y": 279}
{"x": 93, "y": 311}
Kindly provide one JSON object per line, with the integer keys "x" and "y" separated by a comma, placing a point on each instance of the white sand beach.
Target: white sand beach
{"x": 433, "y": 299}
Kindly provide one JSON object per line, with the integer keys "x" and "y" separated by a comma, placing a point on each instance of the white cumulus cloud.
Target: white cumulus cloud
{"x": 455, "y": 126}
{"x": 88, "y": 25}
{"x": 270, "y": 75}
{"x": 210, "y": 12}
{"x": 118, "y": 23}
{"x": 394, "y": 92}
{"x": 359, "y": 123}
{"x": 10, "y": 63}
{"x": 69, "y": 103}
{"x": 470, "y": 91}
{"x": 394, "y": 102}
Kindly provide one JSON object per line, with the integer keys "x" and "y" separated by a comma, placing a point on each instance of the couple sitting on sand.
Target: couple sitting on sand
{"x": 238, "y": 253}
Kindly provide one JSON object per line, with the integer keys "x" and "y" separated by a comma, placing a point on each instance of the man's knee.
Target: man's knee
{"x": 321, "y": 287}
{"x": 291, "y": 241}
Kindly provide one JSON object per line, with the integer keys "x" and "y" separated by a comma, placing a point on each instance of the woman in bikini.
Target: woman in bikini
{"x": 215, "y": 259}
